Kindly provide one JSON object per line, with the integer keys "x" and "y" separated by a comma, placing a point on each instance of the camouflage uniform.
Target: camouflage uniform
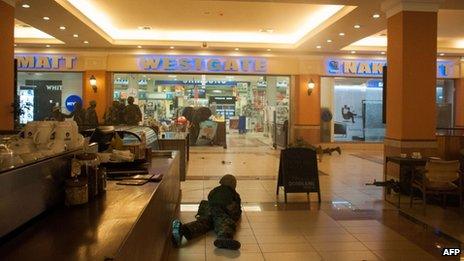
{"x": 220, "y": 212}
{"x": 132, "y": 114}
{"x": 91, "y": 118}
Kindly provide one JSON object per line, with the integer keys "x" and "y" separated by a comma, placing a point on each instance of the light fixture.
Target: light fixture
{"x": 318, "y": 47}
{"x": 341, "y": 34}
{"x": 329, "y": 41}
{"x": 47, "y": 45}
{"x": 139, "y": 46}
{"x": 236, "y": 49}
{"x": 382, "y": 52}
{"x": 75, "y": 35}
{"x": 93, "y": 83}
{"x": 442, "y": 54}
{"x": 15, "y": 45}
{"x": 353, "y": 52}
{"x": 311, "y": 86}
{"x": 268, "y": 50}
{"x": 62, "y": 27}
{"x": 46, "y": 18}
{"x": 86, "y": 42}
{"x": 172, "y": 47}
{"x": 357, "y": 26}
{"x": 26, "y": 6}
{"x": 375, "y": 16}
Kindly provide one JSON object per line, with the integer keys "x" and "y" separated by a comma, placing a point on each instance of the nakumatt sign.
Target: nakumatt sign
{"x": 374, "y": 68}
{"x": 203, "y": 64}
{"x": 42, "y": 62}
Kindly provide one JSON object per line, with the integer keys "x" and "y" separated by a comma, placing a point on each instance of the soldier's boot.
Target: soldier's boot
{"x": 339, "y": 150}
{"x": 176, "y": 233}
{"x": 227, "y": 243}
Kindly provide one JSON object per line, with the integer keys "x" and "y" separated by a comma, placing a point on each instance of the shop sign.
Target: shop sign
{"x": 203, "y": 64}
{"x": 195, "y": 82}
{"x": 222, "y": 99}
{"x": 50, "y": 62}
{"x": 374, "y": 68}
{"x": 71, "y": 100}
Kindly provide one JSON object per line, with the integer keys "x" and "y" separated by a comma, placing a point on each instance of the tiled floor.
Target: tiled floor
{"x": 352, "y": 222}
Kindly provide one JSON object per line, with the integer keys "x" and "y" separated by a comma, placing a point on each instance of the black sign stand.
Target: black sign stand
{"x": 298, "y": 172}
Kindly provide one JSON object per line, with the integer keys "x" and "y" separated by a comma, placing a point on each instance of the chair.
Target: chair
{"x": 438, "y": 178}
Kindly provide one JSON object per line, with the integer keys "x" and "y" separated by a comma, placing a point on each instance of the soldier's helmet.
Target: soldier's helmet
{"x": 228, "y": 180}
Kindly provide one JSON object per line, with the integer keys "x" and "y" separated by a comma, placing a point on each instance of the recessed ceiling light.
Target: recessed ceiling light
{"x": 47, "y": 45}
{"x": 382, "y": 52}
{"x": 236, "y": 49}
{"x": 329, "y": 41}
{"x": 139, "y": 46}
{"x": 268, "y": 50}
{"x": 62, "y": 27}
{"x": 341, "y": 34}
{"x": 26, "y": 6}
{"x": 442, "y": 54}
{"x": 375, "y": 16}
{"x": 171, "y": 47}
{"x": 144, "y": 27}
{"x": 318, "y": 47}
{"x": 357, "y": 26}
{"x": 75, "y": 35}
{"x": 86, "y": 42}
{"x": 353, "y": 52}
{"x": 46, "y": 18}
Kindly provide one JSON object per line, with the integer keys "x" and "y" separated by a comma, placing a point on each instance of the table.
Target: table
{"x": 406, "y": 164}
{"x": 177, "y": 141}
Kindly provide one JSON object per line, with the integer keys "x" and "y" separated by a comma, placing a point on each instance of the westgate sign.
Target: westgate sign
{"x": 40, "y": 62}
{"x": 203, "y": 64}
{"x": 374, "y": 68}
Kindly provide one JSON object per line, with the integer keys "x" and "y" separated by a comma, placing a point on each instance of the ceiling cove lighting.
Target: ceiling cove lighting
{"x": 46, "y": 18}
{"x": 314, "y": 19}
{"x": 26, "y": 6}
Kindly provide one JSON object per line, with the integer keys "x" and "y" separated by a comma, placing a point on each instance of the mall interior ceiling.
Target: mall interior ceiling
{"x": 245, "y": 26}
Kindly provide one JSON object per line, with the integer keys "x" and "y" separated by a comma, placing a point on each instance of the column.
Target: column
{"x": 459, "y": 101}
{"x": 6, "y": 66}
{"x": 306, "y": 109}
{"x": 411, "y": 83}
{"x": 104, "y": 94}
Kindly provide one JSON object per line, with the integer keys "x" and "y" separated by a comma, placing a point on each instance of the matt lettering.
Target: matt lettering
{"x": 377, "y": 68}
{"x": 42, "y": 62}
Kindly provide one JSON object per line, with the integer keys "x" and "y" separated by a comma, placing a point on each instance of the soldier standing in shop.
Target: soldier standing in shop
{"x": 132, "y": 113}
{"x": 91, "y": 118}
{"x": 78, "y": 114}
{"x": 221, "y": 213}
{"x": 112, "y": 115}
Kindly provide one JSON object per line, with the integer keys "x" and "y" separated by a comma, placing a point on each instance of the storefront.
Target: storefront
{"x": 45, "y": 82}
{"x": 352, "y": 94}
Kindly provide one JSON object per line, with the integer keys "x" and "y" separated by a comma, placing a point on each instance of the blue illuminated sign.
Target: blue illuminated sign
{"x": 203, "y": 64}
{"x": 374, "y": 68}
{"x": 71, "y": 100}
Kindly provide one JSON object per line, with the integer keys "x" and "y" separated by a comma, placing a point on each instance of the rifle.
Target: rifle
{"x": 389, "y": 184}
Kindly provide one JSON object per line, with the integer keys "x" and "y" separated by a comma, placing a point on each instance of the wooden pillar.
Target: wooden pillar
{"x": 6, "y": 66}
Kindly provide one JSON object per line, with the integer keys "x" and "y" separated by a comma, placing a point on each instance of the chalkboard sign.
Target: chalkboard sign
{"x": 298, "y": 172}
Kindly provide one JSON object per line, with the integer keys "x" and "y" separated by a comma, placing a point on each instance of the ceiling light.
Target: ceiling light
{"x": 145, "y": 27}
{"x": 268, "y": 50}
{"x": 86, "y": 42}
{"x": 442, "y": 54}
{"x": 139, "y": 46}
{"x": 318, "y": 47}
{"x": 26, "y": 6}
{"x": 353, "y": 52}
{"x": 46, "y": 18}
{"x": 62, "y": 27}
{"x": 47, "y": 45}
{"x": 357, "y": 26}
{"x": 382, "y": 53}
{"x": 236, "y": 49}
{"x": 172, "y": 47}
{"x": 15, "y": 45}
{"x": 267, "y": 30}
{"x": 329, "y": 41}
{"x": 375, "y": 16}
{"x": 341, "y": 34}
{"x": 75, "y": 35}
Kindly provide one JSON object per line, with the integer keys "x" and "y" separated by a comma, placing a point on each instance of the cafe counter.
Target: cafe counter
{"x": 126, "y": 223}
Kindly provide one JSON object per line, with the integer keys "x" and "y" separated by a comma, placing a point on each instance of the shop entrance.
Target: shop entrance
{"x": 251, "y": 106}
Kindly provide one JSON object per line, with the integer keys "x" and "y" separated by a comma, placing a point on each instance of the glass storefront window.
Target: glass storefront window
{"x": 356, "y": 108}
{"x": 162, "y": 97}
{"x": 40, "y": 92}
